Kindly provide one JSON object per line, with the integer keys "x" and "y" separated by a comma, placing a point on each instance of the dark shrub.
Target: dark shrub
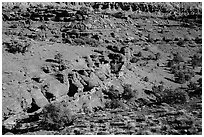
{"x": 158, "y": 89}
{"x": 17, "y": 46}
{"x": 200, "y": 82}
{"x": 200, "y": 73}
{"x": 128, "y": 92}
{"x": 178, "y": 58}
{"x": 83, "y": 11}
{"x": 56, "y": 116}
{"x": 174, "y": 69}
{"x": 113, "y": 48}
{"x": 181, "y": 43}
{"x": 157, "y": 56}
{"x": 188, "y": 77}
{"x": 180, "y": 77}
{"x": 198, "y": 40}
{"x": 196, "y": 60}
{"x": 192, "y": 85}
{"x": 150, "y": 57}
{"x": 112, "y": 93}
{"x": 79, "y": 41}
{"x": 146, "y": 79}
{"x": 59, "y": 59}
{"x": 177, "y": 96}
{"x": 134, "y": 60}
{"x": 195, "y": 88}
{"x": 170, "y": 63}
{"x": 92, "y": 42}
{"x": 139, "y": 54}
{"x": 114, "y": 103}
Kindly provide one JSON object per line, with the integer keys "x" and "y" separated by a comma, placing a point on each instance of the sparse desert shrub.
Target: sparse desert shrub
{"x": 112, "y": 93}
{"x": 92, "y": 42}
{"x": 188, "y": 76}
{"x": 181, "y": 43}
{"x": 158, "y": 89}
{"x": 174, "y": 69}
{"x": 195, "y": 88}
{"x": 190, "y": 72}
{"x": 177, "y": 96}
{"x": 157, "y": 56}
{"x": 198, "y": 40}
{"x": 114, "y": 103}
{"x": 113, "y": 48}
{"x": 192, "y": 85}
{"x": 116, "y": 98}
{"x": 200, "y": 82}
{"x": 120, "y": 15}
{"x": 128, "y": 92}
{"x": 200, "y": 73}
{"x": 183, "y": 75}
{"x": 178, "y": 58}
{"x": 170, "y": 63}
{"x": 139, "y": 54}
{"x": 79, "y": 41}
{"x": 134, "y": 60}
{"x": 146, "y": 79}
{"x": 59, "y": 58}
{"x": 150, "y": 57}
{"x": 180, "y": 77}
{"x": 56, "y": 116}
{"x": 196, "y": 60}
{"x": 17, "y": 47}
{"x": 83, "y": 11}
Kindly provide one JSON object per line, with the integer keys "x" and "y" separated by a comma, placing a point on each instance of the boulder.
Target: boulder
{"x": 79, "y": 64}
{"x": 75, "y": 83}
{"x": 93, "y": 81}
{"x": 55, "y": 88}
{"x": 39, "y": 99}
{"x": 101, "y": 75}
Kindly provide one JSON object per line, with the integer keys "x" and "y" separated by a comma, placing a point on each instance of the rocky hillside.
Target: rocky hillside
{"x": 102, "y": 68}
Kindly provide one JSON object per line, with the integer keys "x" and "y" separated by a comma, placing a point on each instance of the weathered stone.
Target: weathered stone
{"x": 25, "y": 97}
{"x": 94, "y": 80}
{"x": 56, "y": 88}
{"x": 39, "y": 98}
{"x": 11, "y": 105}
{"x": 80, "y": 64}
{"x": 75, "y": 84}
{"x": 100, "y": 75}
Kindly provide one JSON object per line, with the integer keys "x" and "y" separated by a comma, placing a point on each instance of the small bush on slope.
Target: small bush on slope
{"x": 56, "y": 116}
{"x": 15, "y": 46}
{"x": 177, "y": 96}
